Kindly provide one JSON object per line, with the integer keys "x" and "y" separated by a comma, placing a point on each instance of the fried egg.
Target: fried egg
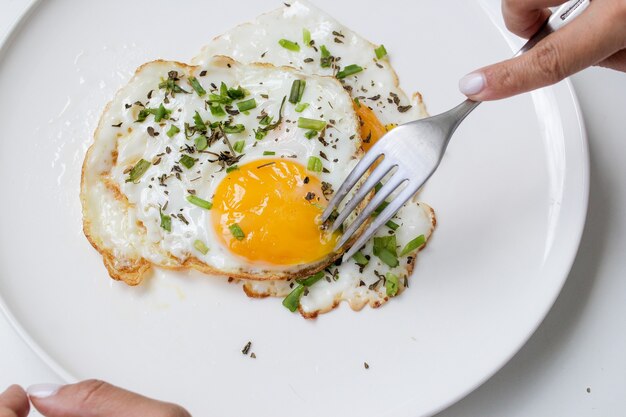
{"x": 220, "y": 168}
{"x": 302, "y": 36}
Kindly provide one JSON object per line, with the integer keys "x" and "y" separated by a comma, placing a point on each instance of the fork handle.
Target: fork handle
{"x": 559, "y": 18}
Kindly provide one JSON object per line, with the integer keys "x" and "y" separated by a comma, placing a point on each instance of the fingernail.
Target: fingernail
{"x": 472, "y": 83}
{"x": 43, "y": 390}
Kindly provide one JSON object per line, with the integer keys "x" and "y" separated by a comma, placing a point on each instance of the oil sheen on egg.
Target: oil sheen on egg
{"x": 213, "y": 167}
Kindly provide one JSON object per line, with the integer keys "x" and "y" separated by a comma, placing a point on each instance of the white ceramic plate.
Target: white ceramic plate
{"x": 511, "y": 198}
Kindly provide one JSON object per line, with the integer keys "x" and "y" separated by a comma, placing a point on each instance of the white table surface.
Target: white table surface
{"x": 575, "y": 364}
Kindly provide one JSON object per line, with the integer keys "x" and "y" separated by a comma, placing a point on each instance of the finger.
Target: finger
{"x": 14, "y": 402}
{"x": 617, "y": 61}
{"x": 559, "y": 55}
{"x": 525, "y": 17}
{"x": 94, "y": 398}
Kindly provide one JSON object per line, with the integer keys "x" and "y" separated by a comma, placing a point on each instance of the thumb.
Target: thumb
{"x": 95, "y": 398}
{"x": 592, "y": 37}
{"x": 14, "y": 402}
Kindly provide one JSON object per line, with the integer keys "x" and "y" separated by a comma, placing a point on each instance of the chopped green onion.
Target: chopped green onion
{"x": 236, "y": 93}
{"x": 234, "y": 128}
{"x": 381, "y": 52}
{"x": 391, "y": 284}
{"x": 348, "y": 71}
{"x": 326, "y": 58}
{"x": 231, "y": 169}
{"x": 292, "y": 301}
{"x": 380, "y": 208}
{"x": 358, "y": 103}
{"x": 259, "y": 134}
{"x": 311, "y": 124}
{"x": 161, "y": 113}
{"x": 306, "y": 36}
{"x": 221, "y": 99}
{"x": 239, "y": 145}
{"x": 201, "y": 247}
{"x": 269, "y": 153}
{"x": 315, "y": 164}
{"x": 246, "y": 105}
{"x": 392, "y": 225}
{"x": 360, "y": 259}
{"x": 197, "y": 201}
{"x": 201, "y": 143}
{"x": 138, "y": 170}
{"x": 173, "y": 130}
{"x": 308, "y": 282}
{"x": 287, "y": 44}
{"x": 311, "y": 134}
{"x": 236, "y": 231}
{"x": 217, "y": 110}
{"x": 297, "y": 90}
{"x": 385, "y": 249}
{"x": 266, "y": 120}
{"x": 195, "y": 84}
{"x": 414, "y": 244}
{"x": 224, "y": 90}
{"x": 197, "y": 119}
{"x": 187, "y": 161}
{"x": 301, "y": 107}
{"x": 166, "y": 221}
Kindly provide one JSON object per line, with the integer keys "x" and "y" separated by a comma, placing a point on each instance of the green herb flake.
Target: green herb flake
{"x": 201, "y": 143}
{"x": 287, "y": 44}
{"x": 311, "y": 134}
{"x": 187, "y": 161}
{"x": 138, "y": 170}
{"x": 311, "y": 124}
{"x": 195, "y": 84}
{"x": 348, "y": 71}
{"x": 231, "y": 169}
{"x": 269, "y": 153}
{"x": 246, "y": 105}
{"x": 381, "y": 52}
{"x": 166, "y": 221}
{"x": 239, "y": 145}
{"x": 199, "y": 123}
{"x": 306, "y": 36}
{"x": 391, "y": 284}
{"x": 236, "y": 231}
{"x": 266, "y": 120}
{"x": 201, "y": 247}
{"x": 197, "y": 201}
{"x": 173, "y": 131}
{"x": 236, "y": 93}
{"x": 412, "y": 245}
{"x": 360, "y": 259}
{"x": 292, "y": 301}
{"x": 301, "y": 107}
{"x": 314, "y": 164}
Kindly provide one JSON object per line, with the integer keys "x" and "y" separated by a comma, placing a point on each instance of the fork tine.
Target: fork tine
{"x": 382, "y": 218}
{"x": 359, "y": 170}
{"x": 394, "y": 182}
{"x": 374, "y": 178}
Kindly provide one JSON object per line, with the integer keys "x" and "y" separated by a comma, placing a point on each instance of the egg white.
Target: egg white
{"x": 123, "y": 219}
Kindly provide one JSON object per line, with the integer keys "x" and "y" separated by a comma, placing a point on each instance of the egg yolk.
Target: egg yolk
{"x": 371, "y": 128}
{"x": 270, "y": 211}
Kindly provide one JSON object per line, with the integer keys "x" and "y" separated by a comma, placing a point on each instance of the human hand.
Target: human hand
{"x": 88, "y": 398}
{"x": 596, "y": 37}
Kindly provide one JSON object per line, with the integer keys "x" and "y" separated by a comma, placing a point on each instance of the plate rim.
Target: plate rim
{"x": 567, "y": 88}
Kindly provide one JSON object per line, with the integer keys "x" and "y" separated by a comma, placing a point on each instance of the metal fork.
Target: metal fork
{"x": 412, "y": 152}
